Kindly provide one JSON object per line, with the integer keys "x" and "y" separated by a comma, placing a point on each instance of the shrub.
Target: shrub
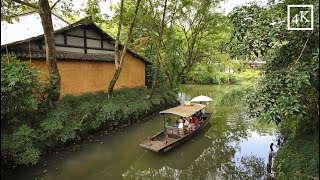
{"x": 233, "y": 78}
{"x": 250, "y": 75}
{"x": 299, "y": 159}
{"x": 21, "y": 92}
{"x": 224, "y": 78}
{"x": 76, "y": 116}
{"x": 216, "y": 79}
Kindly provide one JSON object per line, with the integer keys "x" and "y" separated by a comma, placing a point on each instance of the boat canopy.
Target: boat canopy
{"x": 184, "y": 111}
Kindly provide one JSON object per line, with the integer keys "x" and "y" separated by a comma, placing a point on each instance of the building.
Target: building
{"x": 256, "y": 64}
{"x": 85, "y": 55}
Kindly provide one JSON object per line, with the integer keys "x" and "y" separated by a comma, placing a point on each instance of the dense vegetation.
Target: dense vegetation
{"x": 217, "y": 74}
{"x": 288, "y": 94}
{"x": 28, "y": 130}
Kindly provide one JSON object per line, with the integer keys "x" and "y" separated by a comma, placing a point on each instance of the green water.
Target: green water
{"x": 232, "y": 146}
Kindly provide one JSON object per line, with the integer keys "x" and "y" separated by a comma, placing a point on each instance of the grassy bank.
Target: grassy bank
{"x": 74, "y": 118}
{"x": 207, "y": 77}
{"x": 298, "y": 158}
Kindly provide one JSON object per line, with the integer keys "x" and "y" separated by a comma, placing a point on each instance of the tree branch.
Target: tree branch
{"x": 304, "y": 46}
{"x": 54, "y": 5}
{"x": 32, "y": 5}
{"x": 116, "y": 46}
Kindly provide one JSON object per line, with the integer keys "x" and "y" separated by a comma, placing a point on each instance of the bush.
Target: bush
{"x": 299, "y": 159}
{"x": 234, "y": 79}
{"x": 216, "y": 79}
{"x": 250, "y": 75}
{"x": 76, "y": 116}
{"x": 224, "y": 78}
{"x": 205, "y": 77}
{"x": 20, "y": 90}
{"x": 21, "y": 93}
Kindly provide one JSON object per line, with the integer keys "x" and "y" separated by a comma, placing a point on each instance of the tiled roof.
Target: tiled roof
{"x": 67, "y": 56}
{"x": 83, "y": 22}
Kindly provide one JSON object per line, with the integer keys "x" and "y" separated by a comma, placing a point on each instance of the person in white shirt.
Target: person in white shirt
{"x": 180, "y": 124}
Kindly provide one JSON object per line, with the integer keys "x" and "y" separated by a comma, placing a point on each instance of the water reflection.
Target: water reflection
{"x": 232, "y": 146}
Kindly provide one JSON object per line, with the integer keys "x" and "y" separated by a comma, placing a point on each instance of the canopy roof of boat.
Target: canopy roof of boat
{"x": 184, "y": 111}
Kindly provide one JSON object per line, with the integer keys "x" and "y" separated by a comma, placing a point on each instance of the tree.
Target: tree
{"x": 93, "y": 10}
{"x": 289, "y": 93}
{"x": 253, "y": 31}
{"x": 199, "y": 23}
{"x": 119, "y": 60}
{"x": 44, "y": 10}
{"x": 154, "y": 82}
{"x": 191, "y": 34}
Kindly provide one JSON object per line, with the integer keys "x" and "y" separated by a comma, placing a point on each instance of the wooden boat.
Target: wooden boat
{"x": 171, "y": 137}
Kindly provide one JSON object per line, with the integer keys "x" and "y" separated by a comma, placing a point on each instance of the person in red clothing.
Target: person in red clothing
{"x": 191, "y": 120}
{"x": 195, "y": 121}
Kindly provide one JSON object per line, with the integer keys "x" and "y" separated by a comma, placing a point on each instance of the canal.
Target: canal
{"x": 232, "y": 146}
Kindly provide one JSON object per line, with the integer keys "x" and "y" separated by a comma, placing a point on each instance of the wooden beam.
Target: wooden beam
{"x": 72, "y": 35}
{"x": 81, "y": 47}
{"x": 40, "y": 45}
{"x": 65, "y": 39}
{"x": 101, "y": 42}
{"x": 85, "y": 39}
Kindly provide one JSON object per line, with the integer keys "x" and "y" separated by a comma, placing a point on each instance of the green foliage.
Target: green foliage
{"x": 289, "y": 93}
{"x": 20, "y": 145}
{"x": 21, "y": 95}
{"x": 192, "y": 34}
{"x": 252, "y": 32}
{"x": 250, "y": 75}
{"x": 20, "y": 90}
{"x": 299, "y": 159}
{"x": 78, "y": 115}
{"x": 211, "y": 74}
{"x": 9, "y": 9}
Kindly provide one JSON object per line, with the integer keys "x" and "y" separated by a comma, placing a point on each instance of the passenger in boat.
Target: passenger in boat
{"x": 191, "y": 125}
{"x": 195, "y": 121}
{"x": 203, "y": 113}
{"x": 191, "y": 120}
{"x": 168, "y": 123}
{"x": 180, "y": 125}
{"x": 187, "y": 125}
{"x": 198, "y": 114}
{"x": 177, "y": 124}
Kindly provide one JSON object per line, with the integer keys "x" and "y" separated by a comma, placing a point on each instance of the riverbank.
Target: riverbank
{"x": 206, "y": 77}
{"x": 77, "y": 118}
{"x": 298, "y": 158}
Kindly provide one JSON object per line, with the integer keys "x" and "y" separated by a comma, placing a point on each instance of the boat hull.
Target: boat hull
{"x": 158, "y": 141}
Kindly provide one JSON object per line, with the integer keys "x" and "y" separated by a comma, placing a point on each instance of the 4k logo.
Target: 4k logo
{"x": 301, "y": 17}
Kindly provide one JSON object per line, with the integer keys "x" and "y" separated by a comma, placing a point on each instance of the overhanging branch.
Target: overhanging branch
{"x": 32, "y": 5}
{"x": 54, "y": 5}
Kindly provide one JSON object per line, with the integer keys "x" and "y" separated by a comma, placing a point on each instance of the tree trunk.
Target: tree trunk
{"x": 157, "y": 68}
{"x": 113, "y": 82}
{"x": 118, "y": 65}
{"x": 51, "y": 60}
